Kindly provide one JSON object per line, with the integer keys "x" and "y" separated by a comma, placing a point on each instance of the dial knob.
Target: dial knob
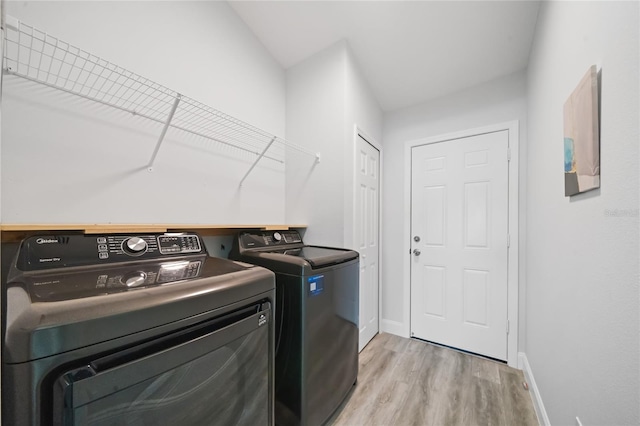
{"x": 134, "y": 279}
{"x": 135, "y": 246}
{"x": 277, "y": 236}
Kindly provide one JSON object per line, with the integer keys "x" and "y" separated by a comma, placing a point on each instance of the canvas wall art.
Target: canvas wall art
{"x": 582, "y": 137}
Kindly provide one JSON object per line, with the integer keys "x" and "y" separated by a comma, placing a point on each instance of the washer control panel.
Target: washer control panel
{"x": 56, "y": 251}
{"x": 119, "y": 246}
{"x": 269, "y": 238}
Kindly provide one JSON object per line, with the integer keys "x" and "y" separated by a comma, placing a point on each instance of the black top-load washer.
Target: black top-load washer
{"x": 316, "y": 322}
{"x": 134, "y": 329}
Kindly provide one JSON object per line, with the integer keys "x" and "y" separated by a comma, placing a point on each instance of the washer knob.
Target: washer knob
{"x": 135, "y": 246}
{"x": 134, "y": 279}
{"x": 277, "y": 236}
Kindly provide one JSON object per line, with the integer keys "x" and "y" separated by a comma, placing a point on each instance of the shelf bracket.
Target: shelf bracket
{"x": 164, "y": 131}
{"x": 258, "y": 159}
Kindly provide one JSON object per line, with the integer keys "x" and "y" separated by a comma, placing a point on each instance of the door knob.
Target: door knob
{"x": 416, "y": 252}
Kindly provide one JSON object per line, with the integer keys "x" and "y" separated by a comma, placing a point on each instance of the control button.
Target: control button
{"x": 134, "y": 246}
{"x": 103, "y": 255}
{"x": 134, "y": 279}
{"x": 277, "y": 236}
{"x": 102, "y": 247}
{"x": 102, "y": 240}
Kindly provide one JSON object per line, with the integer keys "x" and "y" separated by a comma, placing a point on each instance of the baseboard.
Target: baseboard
{"x": 523, "y": 364}
{"x": 392, "y": 327}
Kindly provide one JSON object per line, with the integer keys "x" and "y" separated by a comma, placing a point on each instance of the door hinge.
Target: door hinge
{"x": 508, "y": 154}
{"x": 507, "y": 326}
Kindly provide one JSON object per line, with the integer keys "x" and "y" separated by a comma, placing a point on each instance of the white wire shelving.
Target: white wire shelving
{"x": 37, "y": 56}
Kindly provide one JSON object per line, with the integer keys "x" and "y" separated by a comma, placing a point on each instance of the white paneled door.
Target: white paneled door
{"x": 367, "y": 236}
{"x": 459, "y": 231}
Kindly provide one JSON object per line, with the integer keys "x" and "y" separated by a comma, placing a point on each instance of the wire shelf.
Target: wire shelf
{"x": 42, "y": 58}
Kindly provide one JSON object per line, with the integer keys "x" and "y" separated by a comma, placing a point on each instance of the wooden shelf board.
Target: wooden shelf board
{"x": 122, "y": 228}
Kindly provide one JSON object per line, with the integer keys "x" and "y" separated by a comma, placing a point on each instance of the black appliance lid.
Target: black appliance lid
{"x": 284, "y": 252}
{"x": 45, "y": 318}
{"x": 81, "y": 282}
{"x": 319, "y": 257}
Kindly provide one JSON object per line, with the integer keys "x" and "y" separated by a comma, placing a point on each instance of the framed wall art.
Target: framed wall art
{"x": 582, "y": 137}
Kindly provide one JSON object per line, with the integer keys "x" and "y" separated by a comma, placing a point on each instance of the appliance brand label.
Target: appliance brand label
{"x": 47, "y": 241}
{"x": 47, "y": 282}
{"x": 316, "y": 285}
{"x": 50, "y": 259}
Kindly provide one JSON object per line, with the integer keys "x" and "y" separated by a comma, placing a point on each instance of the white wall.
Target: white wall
{"x": 364, "y": 112}
{"x": 315, "y": 117}
{"x": 326, "y": 97}
{"x": 498, "y": 101}
{"x": 71, "y": 160}
{"x": 582, "y": 339}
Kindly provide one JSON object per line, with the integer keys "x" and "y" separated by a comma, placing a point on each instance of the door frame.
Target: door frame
{"x": 513, "y": 226}
{"x": 357, "y": 131}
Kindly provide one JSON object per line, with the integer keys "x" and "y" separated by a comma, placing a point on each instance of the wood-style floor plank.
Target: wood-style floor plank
{"x": 414, "y": 383}
{"x": 516, "y": 407}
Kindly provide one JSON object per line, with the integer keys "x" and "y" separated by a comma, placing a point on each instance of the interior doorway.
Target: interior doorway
{"x": 456, "y": 287}
{"x": 459, "y": 226}
{"x": 367, "y": 229}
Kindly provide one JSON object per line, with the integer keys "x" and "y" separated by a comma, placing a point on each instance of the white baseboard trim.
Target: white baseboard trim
{"x": 392, "y": 327}
{"x": 523, "y": 364}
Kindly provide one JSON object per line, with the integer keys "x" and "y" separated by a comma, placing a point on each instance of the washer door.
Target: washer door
{"x": 215, "y": 373}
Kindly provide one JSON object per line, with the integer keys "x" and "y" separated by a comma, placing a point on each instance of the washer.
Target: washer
{"x": 134, "y": 329}
{"x": 316, "y": 322}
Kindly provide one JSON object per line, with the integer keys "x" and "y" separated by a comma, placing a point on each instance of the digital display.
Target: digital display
{"x": 179, "y": 244}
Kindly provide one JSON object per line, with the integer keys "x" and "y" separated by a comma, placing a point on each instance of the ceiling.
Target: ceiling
{"x": 408, "y": 51}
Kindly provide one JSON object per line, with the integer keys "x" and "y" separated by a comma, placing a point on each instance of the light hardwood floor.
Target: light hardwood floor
{"x": 410, "y": 382}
